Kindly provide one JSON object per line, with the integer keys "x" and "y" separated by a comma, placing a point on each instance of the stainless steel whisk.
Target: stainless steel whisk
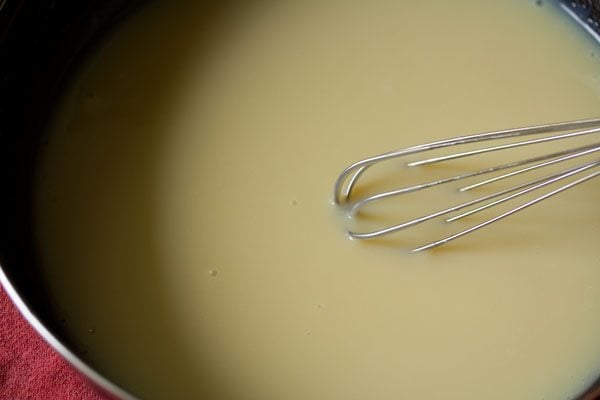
{"x": 350, "y": 177}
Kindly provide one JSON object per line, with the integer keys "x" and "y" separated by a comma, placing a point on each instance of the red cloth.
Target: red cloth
{"x": 29, "y": 368}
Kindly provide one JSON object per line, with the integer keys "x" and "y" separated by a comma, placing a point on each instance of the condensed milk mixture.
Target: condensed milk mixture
{"x": 184, "y": 218}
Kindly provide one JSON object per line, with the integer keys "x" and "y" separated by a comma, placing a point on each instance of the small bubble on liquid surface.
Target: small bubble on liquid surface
{"x": 91, "y": 331}
{"x": 294, "y": 202}
{"x": 213, "y": 272}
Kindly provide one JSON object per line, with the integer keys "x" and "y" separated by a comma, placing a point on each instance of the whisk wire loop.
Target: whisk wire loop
{"x": 351, "y": 176}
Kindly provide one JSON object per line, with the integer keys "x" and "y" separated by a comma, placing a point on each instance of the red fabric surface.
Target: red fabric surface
{"x": 29, "y": 368}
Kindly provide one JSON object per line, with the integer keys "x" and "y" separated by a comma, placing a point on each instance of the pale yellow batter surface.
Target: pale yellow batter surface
{"x": 184, "y": 218}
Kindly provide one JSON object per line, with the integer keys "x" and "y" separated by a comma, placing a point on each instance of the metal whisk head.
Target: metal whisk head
{"x": 563, "y": 169}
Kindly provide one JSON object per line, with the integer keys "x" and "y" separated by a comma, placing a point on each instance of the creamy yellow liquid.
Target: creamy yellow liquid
{"x": 184, "y": 215}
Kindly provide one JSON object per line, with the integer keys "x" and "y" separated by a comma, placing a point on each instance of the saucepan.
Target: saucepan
{"x": 41, "y": 44}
